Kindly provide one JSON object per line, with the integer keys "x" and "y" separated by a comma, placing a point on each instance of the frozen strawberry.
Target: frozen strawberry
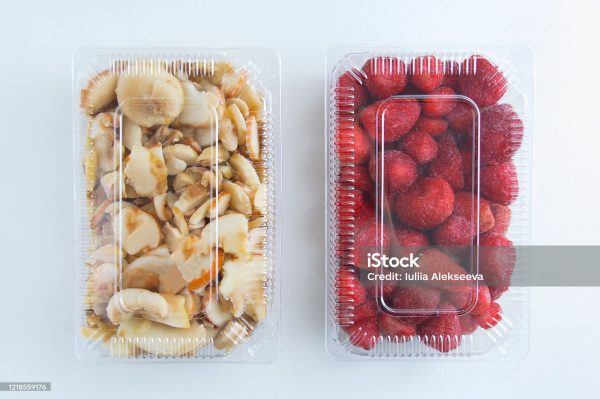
{"x": 427, "y": 73}
{"x": 465, "y": 205}
{"x": 366, "y": 216}
{"x": 482, "y": 81}
{"x": 496, "y": 260}
{"x": 350, "y": 202}
{"x": 396, "y": 328}
{"x": 353, "y": 144}
{"x": 440, "y": 105}
{"x": 426, "y": 204}
{"x": 468, "y": 325}
{"x": 433, "y": 126}
{"x": 489, "y": 317}
{"x": 466, "y": 155}
{"x": 451, "y": 74}
{"x": 502, "y": 215}
{"x": 443, "y": 332}
{"x": 462, "y": 119}
{"x": 385, "y": 76}
{"x": 350, "y": 94}
{"x": 496, "y": 292}
{"x": 348, "y": 288}
{"x": 408, "y": 237}
{"x": 477, "y": 295}
{"x": 420, "y": 146}
{"x": 416, "y": 303}
{"x": 387, "y": 291}
{"x": 353, "y": 314}
{"x": 448, "y": 164}
{"x": 364, "y": 334}
{"x": 357, "y": 176}
{"x": 398, "y": 115}
{"x": 369, "y": 237}
{"x": 399, "y": 171}
{"x": 501, "y": 133}
{"x": 498, "y": 183}
{"x": 456, "y": 231}
{"x": 434, "y": 261}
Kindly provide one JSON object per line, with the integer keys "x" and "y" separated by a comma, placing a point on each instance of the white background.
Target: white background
{"x": 37, "y": 41}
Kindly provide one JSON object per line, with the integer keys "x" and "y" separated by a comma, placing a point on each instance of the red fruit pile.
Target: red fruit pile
{"x": 404, "y": 126}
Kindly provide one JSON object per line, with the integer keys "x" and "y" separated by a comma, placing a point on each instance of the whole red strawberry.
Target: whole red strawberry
{"x": 348, "y": 287}
{"x": 440, "y": 105}
{"x": 434, "y": 126}
{"x": 364, "y": 334}
{"x": 456, "y": 231}
{"x": 353, "y": 144}
{"x": 496, "y": 260}
{"x": 388, "y": 120}
{"x": 448, "y": 164}
{"x": 416, "y": 303}
{"x": 356, "y": 176}
{"x": 387, "y": 290}
{"x": 499, "y": 183}
{"x": 427, "y": 73}
{"x": 426, "y": 204}
{"x": 399, "y": 171}
{"x": 490, "y": 317}
{"x": 385, "y": 76}
{"x": 465, "y": 205}
{"x": 477, "y": 295}
{"x": 443, "y": 332}
{"x": 451, "y": 74}
{"x": 396, "y": 329}
{"x": 501, "y": 133}
{"x": 468, "y": 325}
{"x": 502, "y": 215}
{"x": 420, "y": 146}
{"x": 351, "y": 314}
{"x": 350, "y": 92}
{"x": 408, "y": 240}
{"x": 463, "y": 118}
{"x": 482, "y": 81}
{"x": 369, "y": 238}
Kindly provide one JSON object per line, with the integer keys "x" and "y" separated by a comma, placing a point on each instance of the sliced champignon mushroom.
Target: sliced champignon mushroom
{"x": 227, "y": 135}
{"x": 239, "y": 199}
{"x": 164, "y": 135}
{"x": 226, "y": 171}
{"x": 192, "y": 302}
{"x": 180, "y": 222}
{"x": 161, "y": 207}
{"x": 243, "y": 283}
{"x": 159, "y": 339}
{"x": 212, "y": 179}
{"x": 150, "y": 97}
{"x": 136, "y": 230}
{"x": 103, "y": 282}
{"x": 258, "y": 222}
{"x": 253, "y": 99}
{"x": 113, "y": 184}
{"x": 140, "y": 278}
{"x": 206, "y": 136}
{"x": 132, "y": 133}
{"x": 218, "y": 99}
{"x": 109, "y": 253}
{"x": 214, "y": 155}
{"x": 108, "y": 149}
{"x": 256, "y": 240}
{"x": 252, "y": 140}
{"x": 172, "y": 281}
{"x": 211, "y": 208}
{"x": 244, "y": 168}
{"x": 99, "y": 92}
{"x": 214, "y": 72}
{"x": 197, "y": 268}
{"x": 173, "y": 237}
{"x": 146, "y": 170}
{"x": 241, "y": 104}
{"x": 178, "y": 157}
{"x": 192, "y": 196}
{"x": 260, "y": 199}
{"x": 155, "y": 261}
{"x": 236, "y": 116}
{"x": 229, "y": 232}
{"x": 199, "y": 109}
{"x": 214, "y": 312}
{"x": 233, "y": 82}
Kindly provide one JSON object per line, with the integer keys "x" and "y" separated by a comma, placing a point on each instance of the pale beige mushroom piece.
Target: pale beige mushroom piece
{"x": 253, "y": 99}
{"x": 233, "y": 82}
{"x": 244, "y": 168}
{"x": 218, "y": 99}
{"x": 229, "y": 232}
{"x": 212, "y": 156}
{"x": 140, "y": 278}
{"x": 199, "y": 109}
{"x": 243, "y": 283}
{"x": 256, "y": 240}
{"x": 103, "y": 282}
{"x": 113, "y": 184}
{"x": 99, "y": 92}
{"x": 239, "y": 199}
{"x": 136, "y": 230}
{"x": 132, "y": 133}
{"x": 206, "y": 136}
{"x": 150, "y": 96}
{"x": 258, "y": 222}
{"x": 239, "y": 122}
{"x": 260, "y": 199}
{"x": 227, "y": 135}
{"x": 211, "y": 208}
{"x": 180, "y": 222}
{"x": 241, "y": 104}
{"x": 161, "y": 207}
{"x": 212, "y": 179}
{"x": 192, "y": 302}
{"x": 194, "y": 265}
{"x": 178, "y": 157}
{"x": 108, "y": 149}
{"x": 252, "y": 140}
{"x": 173, "y": 237}
{"x": 109, "y": 253}
{"x": 214, "y": 312}
{"x": 215, "y": 71}
{"x": 159, "y": 339}
{"x": 226, "y": 171}
{"x": 146, "y": 170}
{"x": 155, "y": 260}
{"x": 172, "y": 281}
{"x": 191, "y": 197}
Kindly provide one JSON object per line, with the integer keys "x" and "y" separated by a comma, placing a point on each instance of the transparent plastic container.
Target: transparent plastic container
{"x": 428, "y": 195}
{"x": 177, "y": 173}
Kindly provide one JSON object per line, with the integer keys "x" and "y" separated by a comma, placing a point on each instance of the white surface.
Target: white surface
{"x": 36, "y": 284}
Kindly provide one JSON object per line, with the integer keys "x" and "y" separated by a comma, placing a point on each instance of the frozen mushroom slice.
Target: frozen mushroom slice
{"x": 108, "y": 149}
{"x": 132, "y": 133}
{"x": 243, "y": 283}
{"x": 233, "y": 82}
{"x": 136, "y": 230}
{"x": 214, "y": 155}
{"x": 260, "y": 199}
{"x": 236, "y": 116}
{"x": 244, "y": 168}
{"x": 199, "y": 109}
{"x": 161, "y": 207}
{"x": 150, "y": 95}
{"x": 99, "y": 92}
{"x": 191, "y": 197}
{"x": 155, "y": 260}
{"x": 241, "y": 104}
{"x": 229, "y": 232}
{"x": 213, "y": 311}
{"x": 227, "y": 135}
{"x": 146, "y": 170}
{"x": 252, "y": 139}
{"x": 212, "y": 179}
{"x": 240, "y": 201}
{"x": 103, "y": 283}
